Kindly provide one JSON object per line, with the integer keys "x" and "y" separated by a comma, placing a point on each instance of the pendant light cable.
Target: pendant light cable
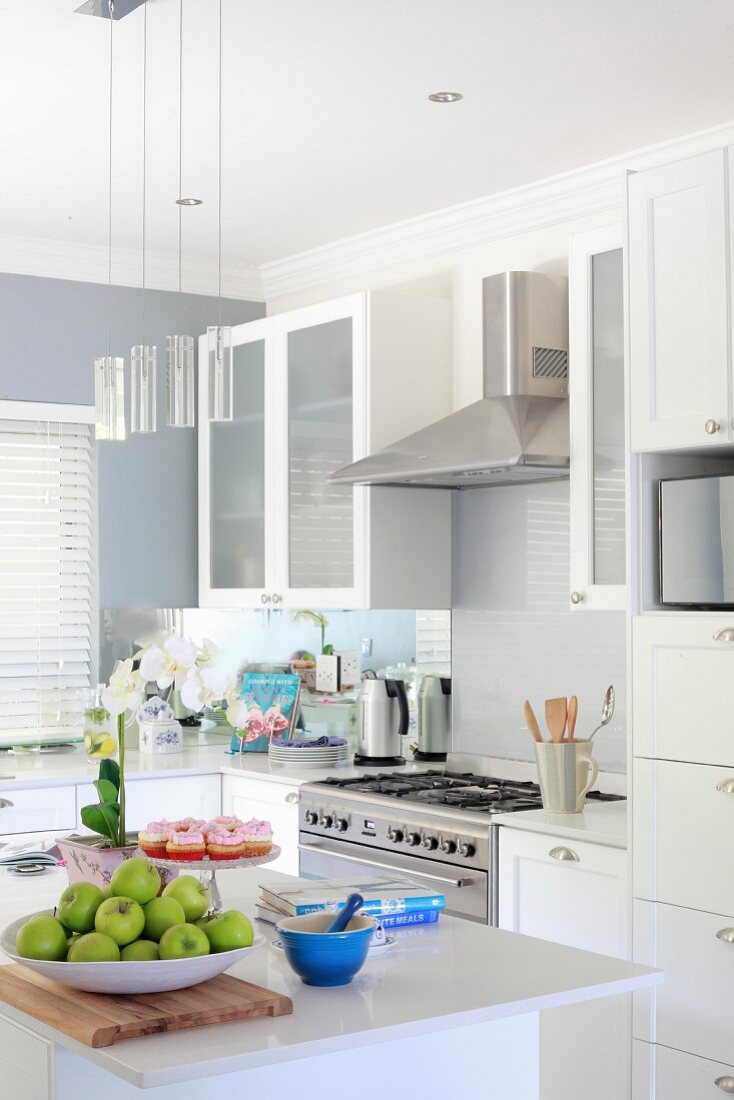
{"x": 145, "y": 148}
{"x": 180, "y": 154}
{"x": 111, "y": 6}
{"x": 219, "y": 178}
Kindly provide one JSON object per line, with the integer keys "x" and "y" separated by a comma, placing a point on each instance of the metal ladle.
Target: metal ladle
{"x": 607, "y": 710}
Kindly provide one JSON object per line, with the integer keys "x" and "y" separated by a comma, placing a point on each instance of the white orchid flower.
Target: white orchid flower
{"x": 203, "y": 687}
{"x": 169, "y": 663}
{"x": 237, "y": 709}
{"x": 125, "y": 690}
{"x": 208, "y": 653}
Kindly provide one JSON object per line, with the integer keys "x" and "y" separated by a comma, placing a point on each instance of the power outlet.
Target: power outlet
{"x": 327, "y": 672}
{"x": 350, "y": 668}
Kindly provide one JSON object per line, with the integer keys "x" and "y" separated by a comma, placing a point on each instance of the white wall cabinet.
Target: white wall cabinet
{"x": 269, "y": 801}
{"x": 679, "y": 259}
{"x": 573, "y": 893}
{"x": 36, "y": 810}
{"x": 171, "y": 798}
{"x": 315, "y": 389}
{"x": 597, "y": 420}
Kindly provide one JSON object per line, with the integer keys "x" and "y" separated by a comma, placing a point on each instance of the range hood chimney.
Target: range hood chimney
{"x": 518, "y": 432}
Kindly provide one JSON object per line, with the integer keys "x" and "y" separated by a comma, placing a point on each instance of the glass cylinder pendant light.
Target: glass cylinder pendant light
{"x": 180, "y": 381}
{"x": 109, "y": 398}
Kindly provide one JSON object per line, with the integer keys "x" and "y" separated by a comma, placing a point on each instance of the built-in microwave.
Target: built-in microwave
{"x": 697, "y": 541}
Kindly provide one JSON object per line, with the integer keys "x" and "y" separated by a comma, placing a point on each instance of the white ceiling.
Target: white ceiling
{"x": 327, "y": 129}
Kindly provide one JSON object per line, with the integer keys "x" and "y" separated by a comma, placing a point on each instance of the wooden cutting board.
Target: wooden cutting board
{"x": 100, "y": 1020}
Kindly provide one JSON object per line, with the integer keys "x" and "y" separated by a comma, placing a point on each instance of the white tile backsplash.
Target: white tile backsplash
{"x": 514, "y": 636}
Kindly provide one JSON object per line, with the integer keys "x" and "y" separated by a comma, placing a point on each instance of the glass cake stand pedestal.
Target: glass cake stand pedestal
{"x": 207, "y": 869}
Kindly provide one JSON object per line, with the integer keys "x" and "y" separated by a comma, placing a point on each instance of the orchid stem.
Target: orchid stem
{"x": 122, "y": 834}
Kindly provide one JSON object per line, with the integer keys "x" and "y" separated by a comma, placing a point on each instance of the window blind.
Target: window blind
{"x": 48, "y": 578}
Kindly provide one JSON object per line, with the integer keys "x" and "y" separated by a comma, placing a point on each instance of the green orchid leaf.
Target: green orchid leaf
{"x": 102, "y": 819}
{"x": 106, "y": 790}
{"x": 110, "y": 770}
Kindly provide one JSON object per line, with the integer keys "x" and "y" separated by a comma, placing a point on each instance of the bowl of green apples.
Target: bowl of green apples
{"x": 130, "y": 937}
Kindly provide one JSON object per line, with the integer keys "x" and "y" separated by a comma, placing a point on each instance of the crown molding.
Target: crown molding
{"x": 87, "y": 263}
{"x": 585, "y": 191}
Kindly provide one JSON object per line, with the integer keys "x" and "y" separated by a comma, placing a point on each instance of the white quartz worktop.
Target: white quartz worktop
{"x": 598, "y": 822}
{"x": 435, "y": 979}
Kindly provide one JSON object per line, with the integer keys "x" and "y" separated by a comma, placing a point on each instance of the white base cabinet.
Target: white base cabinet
{"x": 153, "y": 799}
{"x": 572, "y": 893}
{"x": 269, "y": 801}
{"x": 26, "y": 1064}
{"x": 660, "y": 1073}
{"x": 37, "y": 810}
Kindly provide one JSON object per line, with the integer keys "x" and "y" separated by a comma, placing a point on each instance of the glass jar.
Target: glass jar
{"x": 100, "y": 736}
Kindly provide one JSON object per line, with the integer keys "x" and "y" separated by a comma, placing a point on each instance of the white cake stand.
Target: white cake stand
{"x": 207, "y": 869}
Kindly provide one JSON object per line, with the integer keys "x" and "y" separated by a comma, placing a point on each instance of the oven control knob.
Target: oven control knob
{"x": 395, "y": 835}
{"x": 310, "y": 817}
{"x": 341, "y": 824}
{"x": 448, "y": 847}
{"x": 467, "y": 851}
{"x": 431, "y": 843}
{"x": 413, "y": 838}
{"x": 326, "y": 821}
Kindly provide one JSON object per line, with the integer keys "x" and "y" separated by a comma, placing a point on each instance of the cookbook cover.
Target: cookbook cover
{"x": 381, "y": 895}
{"x": 272, "y": 703}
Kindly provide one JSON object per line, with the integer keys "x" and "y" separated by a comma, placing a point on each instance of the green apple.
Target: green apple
{"x": 122, "y": 919}
{"x": 202, "y": 921}
{"x": 191, "y": 894}
{"x": 94, "y": 948}
{"x": 160, "y": 914}
{"x": 77, "y": 906}
{"x": 74, "y": 936}
{"x": 106, "y": 892}
{"x": 44, "y": 938}
{"x": 183, "y": 941}
{"x": 137, "y": 879}
{"x": 140, "y": 951}
{"x": 228, "y": 931}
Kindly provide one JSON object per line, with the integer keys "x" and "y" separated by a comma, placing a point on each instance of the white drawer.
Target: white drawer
{"x": 37, "y": 809}
{"x": 273, "y": 802}
{"x": 659, "y": 1073}
{"x": 25, "y": 1063}
{"x": 173, "y": 798}
{"x": 684, "y": 688}
{"x": 259, "y": 790}
{"x": 692, "y": 1010}
{"x": 683, "y": 827}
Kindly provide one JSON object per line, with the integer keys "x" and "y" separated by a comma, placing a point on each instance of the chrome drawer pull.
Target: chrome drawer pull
{"x": 292, "y": 796}
{"x": 4, "y": 803}
{"x": 726, "y": 786}
{"x": 726, "y": 1084}
{"x": 712, "y": 426}
{"x": 725, "y": 934}
{"x": 564, "y": 854}
{"x": 725, "y": 635}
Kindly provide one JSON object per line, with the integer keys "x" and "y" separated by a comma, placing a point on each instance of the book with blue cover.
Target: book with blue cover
{"x": 382, "y": 896}
{"x": 272, "y": 703}
{"x": 387, "y": 920}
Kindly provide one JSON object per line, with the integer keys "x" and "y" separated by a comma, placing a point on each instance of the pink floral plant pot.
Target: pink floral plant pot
{"x": 86, "y": 859}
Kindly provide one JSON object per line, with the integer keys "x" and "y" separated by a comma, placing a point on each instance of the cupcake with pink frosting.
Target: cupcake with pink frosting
{"x": 154, "y": 837}
{"x": 225, "y": 844}
{"x": 231, "y": 824}
{"x": 184, "y": 846}
{"x": 258, "y": 836}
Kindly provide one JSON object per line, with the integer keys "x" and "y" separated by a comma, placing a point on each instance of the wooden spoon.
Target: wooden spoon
{"x": 556, "y": 712}
{"x": 532, "y": 722}
{"x": 573, "y": 710}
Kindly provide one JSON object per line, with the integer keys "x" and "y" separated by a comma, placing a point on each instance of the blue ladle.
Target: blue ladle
{"x": 343, "y": 917}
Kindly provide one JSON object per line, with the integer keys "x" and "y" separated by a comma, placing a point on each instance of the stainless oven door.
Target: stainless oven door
{"x": 466, "y": 890}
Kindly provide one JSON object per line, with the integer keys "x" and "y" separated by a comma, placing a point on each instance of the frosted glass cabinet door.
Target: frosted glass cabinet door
{"x": 233, "y": 475}
{"x": 598, "y": 568}
{"x": 321, "y": 554}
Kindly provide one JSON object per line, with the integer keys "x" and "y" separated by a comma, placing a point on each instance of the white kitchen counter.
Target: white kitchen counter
{"x": 599, "y": 823}
{"x": 413, "y": 998}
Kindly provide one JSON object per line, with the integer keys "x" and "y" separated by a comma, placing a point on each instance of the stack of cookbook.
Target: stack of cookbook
{"x": 397, "y": 902}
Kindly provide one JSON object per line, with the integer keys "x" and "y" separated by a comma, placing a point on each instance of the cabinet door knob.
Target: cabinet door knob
{"x": 276, "y": 598}
{"x": 726, "y": 935}
{"x": 4, "y": 803}
{"x": 264, "y": 598}
{"x": 726, "y": 786}
{"x": 564, "y": 853}
{"x": 712, "y": 426}
{"x": 292, "y": 796}
{"x": 577, "y": 597}
{"x": 725, "y": 635}
{"x": 726, "y": 1084}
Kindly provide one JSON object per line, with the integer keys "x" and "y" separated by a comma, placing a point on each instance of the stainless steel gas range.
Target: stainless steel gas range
{"x": 435, "y": 826}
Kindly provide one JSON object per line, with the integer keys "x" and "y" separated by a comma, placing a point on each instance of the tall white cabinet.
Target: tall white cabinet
{"x": 315, "y": 389}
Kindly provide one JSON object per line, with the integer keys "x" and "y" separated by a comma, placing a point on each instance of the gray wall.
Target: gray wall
{"x": 51, "y": 330}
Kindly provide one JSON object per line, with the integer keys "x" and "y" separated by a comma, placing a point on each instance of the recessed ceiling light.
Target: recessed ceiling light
{"x": 189, "y": 202}
{"x": 445, "y": 97}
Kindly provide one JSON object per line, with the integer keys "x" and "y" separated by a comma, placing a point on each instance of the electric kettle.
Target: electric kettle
{"x": 382, "y": 722}
{"x": 434, "y": 718}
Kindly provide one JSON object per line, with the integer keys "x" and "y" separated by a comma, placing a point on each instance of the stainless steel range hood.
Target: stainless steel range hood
{"x": 519, "y": 430}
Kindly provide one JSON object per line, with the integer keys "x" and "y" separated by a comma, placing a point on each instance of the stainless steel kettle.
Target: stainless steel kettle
{"x": 434, "y": 718}
{"x": 382, "y": 721}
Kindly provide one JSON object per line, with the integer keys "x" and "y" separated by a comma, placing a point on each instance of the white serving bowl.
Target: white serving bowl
{"x": 152, "y": 976}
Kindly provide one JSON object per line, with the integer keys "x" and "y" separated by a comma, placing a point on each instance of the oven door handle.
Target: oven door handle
{"x": 456, "y": 882}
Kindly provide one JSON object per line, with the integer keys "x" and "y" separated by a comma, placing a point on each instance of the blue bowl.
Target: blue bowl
{"x": 321, "y": 959}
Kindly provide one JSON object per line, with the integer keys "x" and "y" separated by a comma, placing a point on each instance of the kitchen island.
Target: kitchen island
{"x": 447, "y": 1010}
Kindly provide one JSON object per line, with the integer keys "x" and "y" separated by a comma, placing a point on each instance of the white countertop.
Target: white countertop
{"x": 434, "y": 979}
{"x": 598, "y": 822}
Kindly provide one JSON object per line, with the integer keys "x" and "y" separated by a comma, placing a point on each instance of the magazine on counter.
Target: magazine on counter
{"x": 272, "y": 699}
{"x": 382, "y": 896}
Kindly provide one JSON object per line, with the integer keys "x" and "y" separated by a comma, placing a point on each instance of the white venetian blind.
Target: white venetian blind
{"x": 47, "y": 572}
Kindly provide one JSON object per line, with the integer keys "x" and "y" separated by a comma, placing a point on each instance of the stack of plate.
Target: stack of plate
{"x": 309, "y": 756}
